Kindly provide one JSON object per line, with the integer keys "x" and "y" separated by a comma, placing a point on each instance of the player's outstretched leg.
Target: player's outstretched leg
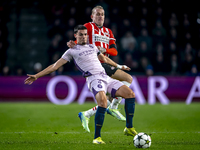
{"x": 129, "y": 110}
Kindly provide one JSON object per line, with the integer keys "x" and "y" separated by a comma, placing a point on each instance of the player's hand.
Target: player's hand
{"x": 124, "y": 67}
{"x": 71, "y": 44}
{"x": 101, "y": 49}
{"x": 30, "y": 79}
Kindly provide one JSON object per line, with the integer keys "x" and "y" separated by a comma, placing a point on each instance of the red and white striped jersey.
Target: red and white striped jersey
{"x": 100, "y": 36}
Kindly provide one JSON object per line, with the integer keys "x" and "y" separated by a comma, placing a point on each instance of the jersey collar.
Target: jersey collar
{"x": 98, "y": 26}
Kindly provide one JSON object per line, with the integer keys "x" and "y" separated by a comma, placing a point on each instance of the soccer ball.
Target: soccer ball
{"x": 142, "y": 140}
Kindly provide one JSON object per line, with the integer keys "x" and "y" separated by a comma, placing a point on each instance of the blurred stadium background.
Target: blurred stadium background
{"x": 154, "y": 38}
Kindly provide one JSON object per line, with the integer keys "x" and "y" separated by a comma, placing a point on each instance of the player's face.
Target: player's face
{"x": 81, "y": 37}
{"x": 98, "y": 16}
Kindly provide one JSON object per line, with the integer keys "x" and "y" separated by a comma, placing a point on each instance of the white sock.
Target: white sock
{"x": 108, "y": 103}
{"x": 116, "y": 101}
{"x": 92, "y": 111}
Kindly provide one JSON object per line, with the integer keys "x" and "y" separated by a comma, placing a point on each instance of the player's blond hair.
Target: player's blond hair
{"x": 96, "y": 7}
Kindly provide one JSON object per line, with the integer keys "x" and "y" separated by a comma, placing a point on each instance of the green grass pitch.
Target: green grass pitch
{"x": 41, "y": 126}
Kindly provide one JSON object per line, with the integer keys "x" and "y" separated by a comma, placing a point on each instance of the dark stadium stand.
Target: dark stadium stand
{"x": 151, "y": 35}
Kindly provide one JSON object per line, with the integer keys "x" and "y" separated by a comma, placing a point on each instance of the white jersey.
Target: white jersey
{"x": 85, "y": 59}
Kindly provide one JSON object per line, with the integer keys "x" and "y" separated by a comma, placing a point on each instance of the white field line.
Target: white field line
{"x": 35, "y": 132}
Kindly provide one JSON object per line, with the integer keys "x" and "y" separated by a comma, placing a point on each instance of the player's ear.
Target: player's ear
{"x": 75, "y": 35}
{"x": 91, "y": 17}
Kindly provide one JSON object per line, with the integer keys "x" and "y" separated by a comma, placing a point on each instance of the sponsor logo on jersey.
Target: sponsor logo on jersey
{"x": 101, "y": 38}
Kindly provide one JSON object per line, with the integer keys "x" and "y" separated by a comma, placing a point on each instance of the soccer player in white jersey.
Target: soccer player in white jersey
{"x": 99, "y": 82}
{"x": 103, "y": 38}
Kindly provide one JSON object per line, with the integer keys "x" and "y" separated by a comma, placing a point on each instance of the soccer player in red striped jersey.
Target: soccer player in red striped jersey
{"x": 103, "y": 38}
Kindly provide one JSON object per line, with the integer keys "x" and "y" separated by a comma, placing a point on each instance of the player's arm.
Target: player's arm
{"x": 46, "y": 71}
{"x": 112, "y": 63}
{"x": 112, "y": 50}
{"x": 71, "y": 43}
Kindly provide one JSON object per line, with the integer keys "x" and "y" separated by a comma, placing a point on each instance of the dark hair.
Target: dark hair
{"x": 79, "y": 27}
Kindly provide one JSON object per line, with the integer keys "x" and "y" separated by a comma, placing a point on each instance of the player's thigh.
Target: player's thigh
{"x": 122, "y": 76}
{"x": 125, "y": 92}
{"x": 99, "y": 88}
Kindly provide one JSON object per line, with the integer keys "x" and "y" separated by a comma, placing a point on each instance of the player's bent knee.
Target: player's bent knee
{"x": 125, "y": 92}
{"x": 129, "y": 78}
{"x": 102, "y": 103}
{"x": 101, "y": 99}
{"x": 130, "y": 94}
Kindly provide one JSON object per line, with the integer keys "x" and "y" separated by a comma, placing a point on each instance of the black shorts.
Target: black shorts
{"x": 110, "y": 70}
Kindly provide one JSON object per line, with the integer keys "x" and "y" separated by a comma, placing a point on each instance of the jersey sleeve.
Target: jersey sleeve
{"x": 112, "y": 50}
{"x": 112, "y": 39}
{"x": 67, "y": 55}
